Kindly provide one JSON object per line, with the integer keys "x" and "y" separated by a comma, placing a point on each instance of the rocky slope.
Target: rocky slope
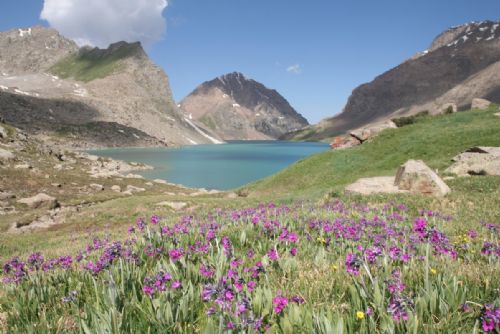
{"x": 238, "y": 108}
{"x": 461, "y": 64}
{"x": 118, "y": 88}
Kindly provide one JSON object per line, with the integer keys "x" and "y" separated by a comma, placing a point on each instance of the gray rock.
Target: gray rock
{"x": 370, "y": 131}
{"x": 97, "y": 187}
{"x": 134, "y": 189}
{"x": 40, "y": 201}
{"x": 23, "y": 166}
{"x": 116, "y": 188}
{"x": 6, "y": 155}
{"x": 6, "y": 195}
{"x": 477, "y": 161}
{"x": 481, "y": 104}
{"x": 416, "y": 177}
{"x": 174, "y": 205}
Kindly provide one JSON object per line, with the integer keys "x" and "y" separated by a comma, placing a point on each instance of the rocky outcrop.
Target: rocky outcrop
{"x": 236, "y": 107}
{"x": 480, "y": 104}
{"x": 463, "y": 63}
{"x": 476, "y": 161}
{"x": 416, "y": 177}
{"x": 42, "y": 73}
{"x": 375, "y": 185}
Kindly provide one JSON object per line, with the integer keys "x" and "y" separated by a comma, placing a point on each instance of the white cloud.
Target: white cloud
{"x": 102, "y": 22}
{"x": 295, "y": 69}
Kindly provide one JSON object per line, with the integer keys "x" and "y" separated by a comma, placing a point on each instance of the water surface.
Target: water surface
{"x": 223, "y": 166}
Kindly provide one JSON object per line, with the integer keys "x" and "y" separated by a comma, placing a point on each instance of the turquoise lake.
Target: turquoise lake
{"x": 222, "y": 167}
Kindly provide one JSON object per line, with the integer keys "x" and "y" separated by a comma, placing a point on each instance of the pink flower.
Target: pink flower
{"x": 280, "y": 303}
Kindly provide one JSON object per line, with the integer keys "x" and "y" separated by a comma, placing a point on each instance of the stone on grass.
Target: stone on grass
{"x": 116, "y": 188}
{"x": 174, "y": 205}
{"x": 97, "y": 187}
{"x": 375, "y": 185}
{"x": 40, "y": 201}
{"x": 480, "y": 104}
{"x": 479, "y": 160}
{"x": 416, "y": 177}
{"x": 6, "y": 155}
{"x": 3, "y": 132}
{"x": 370, "y": 131}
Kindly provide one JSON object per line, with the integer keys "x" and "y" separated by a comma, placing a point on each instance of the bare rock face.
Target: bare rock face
{"x": 461, "y": 64}
{"x": 477, "y": 161}
{"x": 480, "y": 104}
{"x": 416, "y": 177}
{"x": 236, "y": 107}
{"x": 40, "y": 201}
{"x": 49, "y": 86}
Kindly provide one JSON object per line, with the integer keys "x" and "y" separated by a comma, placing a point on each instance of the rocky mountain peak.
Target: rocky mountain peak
{"x": 472, "y": 32}
{"x": 237, "y": 107}
{"x": 32, "y": 50}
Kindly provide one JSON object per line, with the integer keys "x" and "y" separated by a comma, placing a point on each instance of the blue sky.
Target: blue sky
{"x": 337, "y": 45}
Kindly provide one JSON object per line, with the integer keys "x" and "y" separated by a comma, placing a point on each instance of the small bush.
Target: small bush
{"x": 407, "y": 120}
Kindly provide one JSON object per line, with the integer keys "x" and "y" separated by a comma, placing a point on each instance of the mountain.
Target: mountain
{"x": 462, "y": 63}
{"x": 238, "y": 108}
{"x": 118, "y": 88}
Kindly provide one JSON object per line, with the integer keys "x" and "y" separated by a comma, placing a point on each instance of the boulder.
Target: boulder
{"x": 132, "y": 189}
{"x": 477, "y": 160}
{"x": 174, "y": 205}
{"x": 23, "y": 166}
{"x": 370, "y": 131}
{"x": 40, "y": 201}
{"x": 375, "y": 185}
{"x": 6, "y": 195}
{"x": 416, "y": 177}
{"x": 480, "y": 104}
{"x": 159, "y": 181}
{"x": 97, "y": 187}
{"x": 6, "y": 155}
{"x": 343, "y": 142}
{"x": 447, "y": 106}
{"x": 116, "y": 188}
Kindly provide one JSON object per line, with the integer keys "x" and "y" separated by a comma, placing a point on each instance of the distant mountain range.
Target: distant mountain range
{"x": 462, "y": 63}
{"x": 89, "y": 96}
{"x": 236, "y": 107}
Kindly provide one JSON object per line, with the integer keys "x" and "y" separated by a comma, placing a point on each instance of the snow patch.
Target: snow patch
{"x": 490, "y": 38}
{"x": 494, "y": 27}
{"x": 18, "y": 91}
{"x": 80, "y": 92}
{"x": 483, "y": 28}
{"x": 178, "y": 105}
{"x": 190, "y": 116}
{"x": 121, "y": 131}
{"x": 212, "y": 139}
{"x": 136, "y": 136}
{"x": 225, "y": 96}
{"x": 23, "y": 33}
{"x": 257, "y": 114}
{"x": 465, "y": 38}
{"x": 236, "y": 105}
{"x": 4, "y": 88}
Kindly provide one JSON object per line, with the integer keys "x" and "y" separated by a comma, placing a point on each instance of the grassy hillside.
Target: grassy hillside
{"x": 93, "y": 64}
{"x": 434, "y": 139}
